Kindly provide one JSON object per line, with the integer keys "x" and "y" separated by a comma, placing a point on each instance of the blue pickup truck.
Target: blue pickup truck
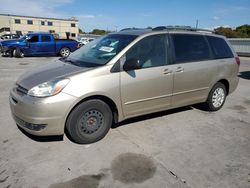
{"x": 38, "y": 44}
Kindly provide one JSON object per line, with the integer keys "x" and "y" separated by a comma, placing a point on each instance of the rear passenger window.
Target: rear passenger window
{"x": 46, "y": 38}
{"x": 190, "y": 48}
{"x": 219, "y": 47}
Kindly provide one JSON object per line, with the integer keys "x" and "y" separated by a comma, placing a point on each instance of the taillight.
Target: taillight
{"x": 237, "y": 59}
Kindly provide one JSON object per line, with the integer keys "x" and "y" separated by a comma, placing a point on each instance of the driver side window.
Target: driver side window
{"x": 33, "y": 39}
{"x": 150, "y": 51}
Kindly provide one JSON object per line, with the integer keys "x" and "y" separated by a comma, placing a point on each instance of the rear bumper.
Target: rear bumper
{"x": 233, "y": 84}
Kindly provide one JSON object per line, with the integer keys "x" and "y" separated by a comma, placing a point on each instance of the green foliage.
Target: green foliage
{"x": 99, "y": 32}
{"x": 81, "y": 31}
{"x": 242, "y": 31}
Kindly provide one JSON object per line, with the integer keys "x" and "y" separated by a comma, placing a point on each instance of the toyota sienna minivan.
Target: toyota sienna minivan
{"x": 122, "y": 75}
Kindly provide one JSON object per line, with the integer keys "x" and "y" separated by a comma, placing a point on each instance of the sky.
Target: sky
{"x": 118, "y": 14}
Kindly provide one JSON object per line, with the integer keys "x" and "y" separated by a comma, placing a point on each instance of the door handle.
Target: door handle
{"x": 167, "y": 71}
{"x": 179, "y": 69}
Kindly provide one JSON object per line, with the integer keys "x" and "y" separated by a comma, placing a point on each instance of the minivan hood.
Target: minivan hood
{"x": 48, "y": 72}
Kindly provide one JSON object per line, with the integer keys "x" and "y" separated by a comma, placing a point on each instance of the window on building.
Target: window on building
{"x": 73, "y": 35}
{"x": 42, "y": 23}
{"x": 4, "y": 29}
{"x": 73, "y": 25}
{"x": 33, "y": 39}
{"x": 30, "y": 22}
{"x": 17, "y": 21}
{"x": 50, "y": 23}
{"x": 52, "y": 31}
{"x": 46, "y": 38}
{"x": 19, "y": 33}
{"x": 190, "y": 48}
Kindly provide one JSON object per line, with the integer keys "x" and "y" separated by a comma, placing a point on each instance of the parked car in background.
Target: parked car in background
{"x": 124, "y": 75}
{"x": 38, "y": 44}
{"x": 9, "y": 36}
{"x": 84, "y": 41}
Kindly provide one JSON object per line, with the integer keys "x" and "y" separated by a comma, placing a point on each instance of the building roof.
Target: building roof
{"x": 70, "y": 19}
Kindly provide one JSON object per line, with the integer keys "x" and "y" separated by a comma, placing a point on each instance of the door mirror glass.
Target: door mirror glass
{"x": 131, "y": 64}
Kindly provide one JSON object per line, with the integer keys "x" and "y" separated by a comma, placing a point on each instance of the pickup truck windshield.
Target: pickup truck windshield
{"x": 23, "y": 38}
{"x": 100, "y": 51}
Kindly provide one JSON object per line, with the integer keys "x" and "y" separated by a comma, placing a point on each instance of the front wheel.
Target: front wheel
{"x": 64, "y": 52}
{"x": 216, "y": 97}
{"x": 89, "y": 122}
{"x": 18, "y": 53}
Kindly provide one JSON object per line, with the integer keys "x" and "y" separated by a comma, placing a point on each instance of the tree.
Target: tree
{"x": 242, "y": 31}
{"x": 99, "y": 32}
{"x": 228, "y": 32}
{"x": 81, "y": 31}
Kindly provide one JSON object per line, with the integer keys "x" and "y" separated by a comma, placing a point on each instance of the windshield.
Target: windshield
{"x": 23, "y": 38}
{"x": 100, "y": 51}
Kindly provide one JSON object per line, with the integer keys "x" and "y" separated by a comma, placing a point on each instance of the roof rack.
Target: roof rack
{"x": 132, "y": 28}
{"x": 184, "y": 28}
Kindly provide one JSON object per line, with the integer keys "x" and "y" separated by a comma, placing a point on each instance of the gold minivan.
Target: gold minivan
{"x": 122, "y": 75}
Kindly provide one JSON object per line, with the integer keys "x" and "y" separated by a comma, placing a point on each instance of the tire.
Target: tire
{"x": 216, "y": 98}
{"x": 18, "y": 53}
{"x": 64, "y": 52}
{"x": 14, "y": 53}
{"x": 89, "y": 122}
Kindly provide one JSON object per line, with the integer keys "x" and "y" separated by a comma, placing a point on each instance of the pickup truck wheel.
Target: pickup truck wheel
{"x": 64, "y": 52}
{"x": 89, "y": 122}
{"x": 18, "y": 53}
{"x": 14, "y": 53}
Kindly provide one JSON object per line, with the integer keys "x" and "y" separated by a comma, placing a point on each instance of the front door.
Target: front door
{"x": 149, "y": 88}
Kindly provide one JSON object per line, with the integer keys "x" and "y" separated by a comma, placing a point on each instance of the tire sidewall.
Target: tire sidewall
{"x": 210, "y": 102}
{"x": 18, "y": 53}
{"x": 73, "y": 125}
{"x": 64, "y": 49}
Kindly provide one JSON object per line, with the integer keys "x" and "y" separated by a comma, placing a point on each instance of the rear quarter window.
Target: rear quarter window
{"x": 189, "y": 48}
{"x": 219, "y": 48}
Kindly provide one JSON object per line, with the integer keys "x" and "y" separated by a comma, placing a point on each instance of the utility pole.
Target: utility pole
{"x": 197, "y": 23}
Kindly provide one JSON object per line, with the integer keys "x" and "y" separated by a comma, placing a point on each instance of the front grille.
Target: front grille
{"x": 21, "y": 90}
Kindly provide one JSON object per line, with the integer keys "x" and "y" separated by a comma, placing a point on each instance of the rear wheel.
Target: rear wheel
{"x": 89, "y": 122}
{"x": 64, "y": 52}
{"x": 216, "y": 97}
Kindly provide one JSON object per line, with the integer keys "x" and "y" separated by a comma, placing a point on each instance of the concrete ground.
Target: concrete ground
{"x": 180, "y": 148}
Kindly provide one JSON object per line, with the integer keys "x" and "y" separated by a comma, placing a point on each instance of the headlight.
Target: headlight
{"x": 47, "y": 89}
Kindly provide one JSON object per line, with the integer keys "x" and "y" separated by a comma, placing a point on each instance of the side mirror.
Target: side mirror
{"x": 131, "y": 64}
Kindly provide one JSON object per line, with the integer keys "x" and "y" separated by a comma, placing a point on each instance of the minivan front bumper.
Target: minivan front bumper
{"x": 40, "y": 116}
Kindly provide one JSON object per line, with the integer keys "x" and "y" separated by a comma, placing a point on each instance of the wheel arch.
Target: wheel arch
{"x": 226, "y": 84}
{"x": 103, "y": 98}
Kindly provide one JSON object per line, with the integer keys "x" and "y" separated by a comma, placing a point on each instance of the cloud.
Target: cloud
{"x": 44, "y": 8}
{"x": 216, "y": 18}
{"x": 86, "y": 16}
{"x": 53, "y": 9}
{"x": 146, "y": 14}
